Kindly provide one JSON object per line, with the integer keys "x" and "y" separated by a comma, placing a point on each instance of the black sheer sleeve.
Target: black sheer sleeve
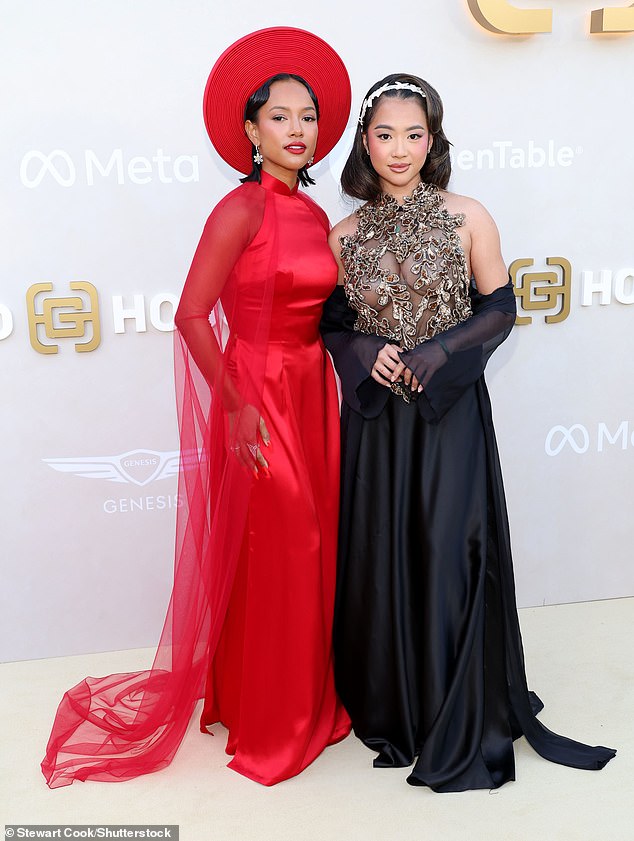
{"x": 452, "y": 361}
{"x": 354, "y": 355}
{"x": 445, "y": 365}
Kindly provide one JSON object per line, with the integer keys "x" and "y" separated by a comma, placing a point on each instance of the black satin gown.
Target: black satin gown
{"x": 419, "y": 659}
{"x": 428, "y": 652}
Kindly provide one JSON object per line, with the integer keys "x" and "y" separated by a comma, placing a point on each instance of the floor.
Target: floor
{"x": 580, "y": 660}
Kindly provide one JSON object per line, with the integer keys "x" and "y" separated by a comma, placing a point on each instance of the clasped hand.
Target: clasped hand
{"x": 422, "y": 363}
{"x": 247, "y": 430}
{"x": 388, "y": 368}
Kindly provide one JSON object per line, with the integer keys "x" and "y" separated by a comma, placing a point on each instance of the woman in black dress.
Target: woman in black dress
{"x": 428, "y": 652}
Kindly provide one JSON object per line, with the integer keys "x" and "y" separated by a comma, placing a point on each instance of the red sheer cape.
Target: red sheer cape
{"x": 121, "y": 726}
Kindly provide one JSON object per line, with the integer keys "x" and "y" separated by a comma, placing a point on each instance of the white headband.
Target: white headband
{"x": 392, "y": 86}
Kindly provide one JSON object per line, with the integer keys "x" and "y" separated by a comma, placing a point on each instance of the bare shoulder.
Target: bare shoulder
{"x": 475, "y": 213}
{"x": 346, "y": 227}
{"x": 481, "y": 241}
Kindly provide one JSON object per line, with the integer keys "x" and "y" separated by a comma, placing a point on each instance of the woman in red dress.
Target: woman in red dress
{"x": 250, "y": 618}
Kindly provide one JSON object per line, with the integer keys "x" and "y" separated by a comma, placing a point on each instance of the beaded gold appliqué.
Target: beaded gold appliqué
{"x": 405, "y": 269}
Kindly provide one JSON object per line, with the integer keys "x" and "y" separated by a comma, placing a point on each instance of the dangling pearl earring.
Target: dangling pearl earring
{"x": 257, "y": 158}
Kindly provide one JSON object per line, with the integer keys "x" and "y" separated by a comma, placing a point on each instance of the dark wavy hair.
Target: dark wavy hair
{"x": 359, "y": 178}
{"x": 259, "y": 98}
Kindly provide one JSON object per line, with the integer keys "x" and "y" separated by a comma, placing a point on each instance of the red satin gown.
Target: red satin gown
{"x": 249, "y": 622}
{"x": 271, "y": 677}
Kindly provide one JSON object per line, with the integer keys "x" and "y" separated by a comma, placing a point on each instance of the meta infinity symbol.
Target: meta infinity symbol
{"x": 65, "y": 176}
{"x": 576, "y": 435}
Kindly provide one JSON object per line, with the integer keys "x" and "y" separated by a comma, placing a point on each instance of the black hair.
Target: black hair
{"x": 359, "y": 178}
{"x": 259, "y": 98}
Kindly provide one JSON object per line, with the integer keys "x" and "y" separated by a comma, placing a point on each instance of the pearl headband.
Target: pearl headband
{"x": 392, "y": 86}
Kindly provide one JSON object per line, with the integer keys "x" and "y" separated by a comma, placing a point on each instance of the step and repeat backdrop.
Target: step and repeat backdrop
{"x": 107, "y": 179}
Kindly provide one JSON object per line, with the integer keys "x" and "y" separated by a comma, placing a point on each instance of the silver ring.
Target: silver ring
{"x": 253, "y": 449}
{"x": 235, "y": 448}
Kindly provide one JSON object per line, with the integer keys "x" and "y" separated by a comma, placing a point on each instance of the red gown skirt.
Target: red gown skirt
{"x": 271, "y": 680}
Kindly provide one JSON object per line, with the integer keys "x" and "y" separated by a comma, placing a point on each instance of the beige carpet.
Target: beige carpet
{"x": 579, "y": 659}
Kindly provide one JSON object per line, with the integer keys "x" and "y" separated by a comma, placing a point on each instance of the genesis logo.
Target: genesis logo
{"x": 136, "y": 467}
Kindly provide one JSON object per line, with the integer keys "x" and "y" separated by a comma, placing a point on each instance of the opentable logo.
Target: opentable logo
{"x": 505, "y": 154}
{"x": 91, "y": 168}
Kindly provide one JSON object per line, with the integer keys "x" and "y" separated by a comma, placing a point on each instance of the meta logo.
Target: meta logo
{"x": 502, "y": 17}
{"x": 579, "y": 439}
{"x": 60, "y": 168}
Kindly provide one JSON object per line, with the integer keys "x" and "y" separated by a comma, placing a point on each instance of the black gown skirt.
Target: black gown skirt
{"x": 428, "y": 652}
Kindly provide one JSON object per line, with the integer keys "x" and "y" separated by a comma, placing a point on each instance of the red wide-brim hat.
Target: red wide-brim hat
{"x": 247, "y": 64}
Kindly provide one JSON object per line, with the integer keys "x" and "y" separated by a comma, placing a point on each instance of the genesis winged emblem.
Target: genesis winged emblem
{"x": 137, "y": 467}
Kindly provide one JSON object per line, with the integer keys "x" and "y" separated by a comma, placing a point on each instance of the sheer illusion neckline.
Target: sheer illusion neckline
{"x": 419, "y": 194}
{"x": 405, "y": 271}
{"x": 274, "y": 185}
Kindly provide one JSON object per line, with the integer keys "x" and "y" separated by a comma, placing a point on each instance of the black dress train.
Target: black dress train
{"x": 428, "y": 652}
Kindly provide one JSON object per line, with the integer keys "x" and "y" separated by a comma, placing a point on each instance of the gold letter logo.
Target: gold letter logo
{"x": 543, "y": 296}
{"x": 500, "y": 16}
{"x": 63, "y": 318}
{"x": 610, "y": 19}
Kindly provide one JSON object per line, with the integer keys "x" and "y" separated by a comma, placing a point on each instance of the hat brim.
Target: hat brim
{"x": 248, "y": 63}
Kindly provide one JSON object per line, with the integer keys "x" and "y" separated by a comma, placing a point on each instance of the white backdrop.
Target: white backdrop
{"x": 107, "y": 178}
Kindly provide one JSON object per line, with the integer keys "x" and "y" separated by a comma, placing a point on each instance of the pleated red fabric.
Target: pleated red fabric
{"x": 249, "y": 620}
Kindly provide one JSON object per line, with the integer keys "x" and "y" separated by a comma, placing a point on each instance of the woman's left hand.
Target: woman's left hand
{"x": 422, "y": 363}
{"x": 411, "y": 380}
{"x": 247, "y": 430}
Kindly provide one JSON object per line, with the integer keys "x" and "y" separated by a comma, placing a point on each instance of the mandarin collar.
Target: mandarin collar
{"x": 270, "y": 182}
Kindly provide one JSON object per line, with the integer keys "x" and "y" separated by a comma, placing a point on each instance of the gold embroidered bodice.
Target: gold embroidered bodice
{"x": 405, "y": 269}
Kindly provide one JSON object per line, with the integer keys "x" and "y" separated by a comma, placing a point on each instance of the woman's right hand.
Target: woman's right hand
{"x": 388, "y": 368}
{"x": 247, "y": 430}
